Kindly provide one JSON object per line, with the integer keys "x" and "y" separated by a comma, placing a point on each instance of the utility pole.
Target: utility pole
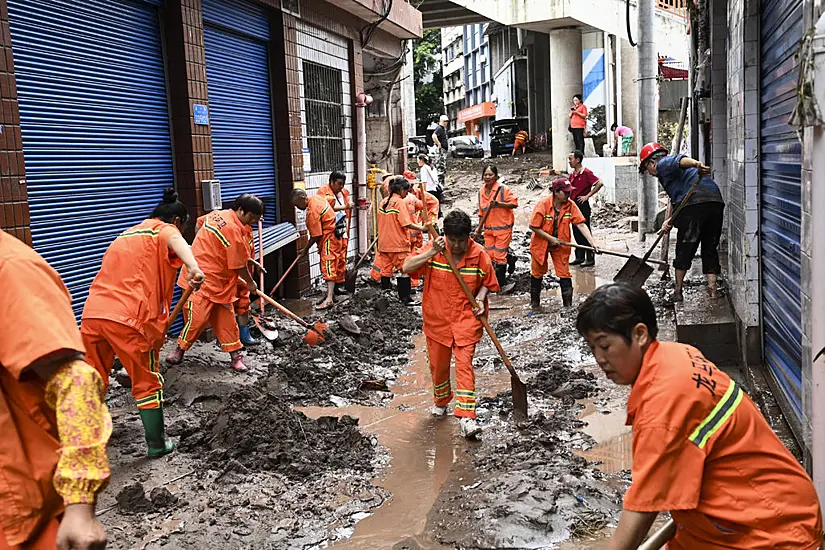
{"x": 648, "y": 111}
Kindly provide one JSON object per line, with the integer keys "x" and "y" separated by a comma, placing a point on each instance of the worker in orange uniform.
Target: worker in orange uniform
{"x": 129, "y": 304}
{"x": 550, "y": 223}
{"x": 243, "y": 302}
{"x": 520, "y": 142}
{"x": 394, "y": 226}
{"x": 451, "y": 325}
{"x": 416, "y": 207}
{"x": 221, "y": 248}
{"x": 320, "y": 222}
{"x": 498, "y": 229}
{"x": 338, "y": 197}
{"x": 381, "y": 263}
{"x": 701, "y": 449}
{"x": 55, "y": 424}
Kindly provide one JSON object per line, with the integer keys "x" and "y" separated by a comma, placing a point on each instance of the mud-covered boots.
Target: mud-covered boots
{"x": 156, "y": 440}
{"x": 511, "y": 262}
{"x": 176, "y": 357}
{"x": 589, "y": 258}
{"x": 386, "y": 283}
{"x": 246, "y": 337}
{"x": 404, "y": 290}
{"x": 535, "y": 293}
{"x": 566, "y": 291}
{"x": 501, "y": 273}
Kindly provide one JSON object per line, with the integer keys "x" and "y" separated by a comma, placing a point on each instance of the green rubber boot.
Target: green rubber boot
{"x": 159, "y": 445}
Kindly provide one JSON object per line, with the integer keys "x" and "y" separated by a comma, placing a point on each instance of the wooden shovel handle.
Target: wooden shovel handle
{"x": 283, "y": 277}
{"x": 175, "y": 312}
{"x": 480, "y": 227}
{"x": 609, "y": 252}
{"x": 283, "y": 310}
{"x": 364, "y": 256}
{"x": 474, "y": 304}
{"x": 658, "y": 539}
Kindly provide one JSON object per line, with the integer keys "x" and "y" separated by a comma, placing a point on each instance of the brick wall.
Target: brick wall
{"x": 14, "y": 207}
{"x": 742, "y": 208}
{"x": 186, "y": 60}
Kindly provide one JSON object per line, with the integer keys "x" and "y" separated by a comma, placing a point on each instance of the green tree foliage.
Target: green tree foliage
{"x": 428, "y": 79}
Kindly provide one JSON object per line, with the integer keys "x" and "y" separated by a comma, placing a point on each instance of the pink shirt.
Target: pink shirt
{"x": 622, "y": 131}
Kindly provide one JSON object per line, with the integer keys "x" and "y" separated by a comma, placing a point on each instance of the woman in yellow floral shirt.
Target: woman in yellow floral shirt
{"x": 53, "y": 419}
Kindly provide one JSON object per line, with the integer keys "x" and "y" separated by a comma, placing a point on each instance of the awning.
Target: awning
{"x": 482, "y": 110}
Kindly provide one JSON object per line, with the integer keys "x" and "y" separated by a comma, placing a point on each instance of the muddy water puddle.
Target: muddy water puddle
{"x": 424, "y": 452}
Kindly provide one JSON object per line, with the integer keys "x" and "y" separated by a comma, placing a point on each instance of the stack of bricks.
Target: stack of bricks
{"x": 14, "y": 207}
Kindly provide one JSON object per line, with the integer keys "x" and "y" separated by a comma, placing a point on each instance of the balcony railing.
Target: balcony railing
{"x": 676, "y": 7}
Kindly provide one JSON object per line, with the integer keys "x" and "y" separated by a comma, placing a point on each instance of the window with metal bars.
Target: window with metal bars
{"x": 323, "y": 98}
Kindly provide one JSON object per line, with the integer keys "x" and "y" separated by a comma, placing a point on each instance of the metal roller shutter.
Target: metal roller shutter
{"x": 780, "y": 198}
{"x": 236, "y": 37}
{"x": 95, "y": 126}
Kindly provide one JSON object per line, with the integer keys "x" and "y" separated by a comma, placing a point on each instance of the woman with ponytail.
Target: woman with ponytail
{"x": 394, "y": 223}
{"x": 129, "y": 304}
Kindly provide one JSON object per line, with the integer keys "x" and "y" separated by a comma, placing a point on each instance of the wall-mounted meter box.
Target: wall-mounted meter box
{"x": 212, "y": 195}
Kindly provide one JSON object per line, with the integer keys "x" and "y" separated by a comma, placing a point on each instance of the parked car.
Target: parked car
{"x": 416, "y": 145}
{"x": 465, "y": 147}
{"x": 503, "y": 136}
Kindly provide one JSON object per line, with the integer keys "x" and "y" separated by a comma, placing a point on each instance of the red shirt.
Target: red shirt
{"x": 703, "y": 451}
{"x": 582, "y": 183}
{"x": 576, "y": 121}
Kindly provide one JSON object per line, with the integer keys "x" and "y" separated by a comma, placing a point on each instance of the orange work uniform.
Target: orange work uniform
{"x": 393, "y": 237}
{"x": 498, "y": 229}
{"x": 703, "y": 451}
{"x": 220, "y": 247}
{"x": 451, "y": 327}
{"x": 320, "y": 222}
{"x": 343, "y": 243}
{"x": 415, "y": 205}
{"x": 558, "y": 225}
{"x": 521, "y": 140}
{"x": 129, "y": 305}
{"x": 36, "y": 322}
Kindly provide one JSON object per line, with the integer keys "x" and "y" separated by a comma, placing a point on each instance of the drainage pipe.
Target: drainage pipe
{"x": 361, "y": 103}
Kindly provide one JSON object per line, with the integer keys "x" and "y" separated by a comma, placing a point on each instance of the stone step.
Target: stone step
{"x": 708, "y": 325}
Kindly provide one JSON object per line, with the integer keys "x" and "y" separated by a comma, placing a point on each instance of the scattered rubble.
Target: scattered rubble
{"x": 610, "y": 215}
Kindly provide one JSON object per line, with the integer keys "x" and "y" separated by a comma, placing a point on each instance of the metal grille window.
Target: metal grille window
{"x": 324, "y": 116}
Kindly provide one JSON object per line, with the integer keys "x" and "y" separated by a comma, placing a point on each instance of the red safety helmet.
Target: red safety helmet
{"x": 648, "y": 151}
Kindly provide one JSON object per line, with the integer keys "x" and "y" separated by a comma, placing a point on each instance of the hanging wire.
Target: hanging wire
{"x": 368, "y": 31}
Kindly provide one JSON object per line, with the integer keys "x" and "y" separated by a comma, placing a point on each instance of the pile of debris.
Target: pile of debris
{"x": 613, "y": 215}
{"x": 348, "y": 367}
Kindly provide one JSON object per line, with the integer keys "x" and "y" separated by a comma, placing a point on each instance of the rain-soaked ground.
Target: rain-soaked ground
{"x": 333, "y": 446}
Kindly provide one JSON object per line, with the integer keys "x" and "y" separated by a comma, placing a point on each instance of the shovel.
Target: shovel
{"x": 283, "y": 277}
{"x": 608, "y": 252}
{"x": 636, "y": 271}
{"x": 519, "y": 388}
{"x": 660, "y": 537}
{"x": 349, "y": 284}
{"x": 480, "y": 227}
{"x": 178, "y": 307}
{"x": 269, "y": 333}
{"x": 315, "y": 333}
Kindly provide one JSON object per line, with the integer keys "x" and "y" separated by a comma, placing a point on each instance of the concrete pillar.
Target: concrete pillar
{"x": 629, "y": 89}
{"x": 408, "y": 92}
{"x": 566, "y": 68}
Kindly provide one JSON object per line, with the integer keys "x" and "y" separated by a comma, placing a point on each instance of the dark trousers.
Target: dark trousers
{"x": 578, "y": 235}
{"x": 578, "y": 138}
{"x": 699, "y": 224}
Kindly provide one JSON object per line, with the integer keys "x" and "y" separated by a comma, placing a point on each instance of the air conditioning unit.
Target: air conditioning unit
{"x": 211, "y": 195}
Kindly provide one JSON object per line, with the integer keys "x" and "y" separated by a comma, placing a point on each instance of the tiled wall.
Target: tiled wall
{"x": 14, "y": 207}
{"x": 719, "y": 94}
{"x": 742, "y": 210}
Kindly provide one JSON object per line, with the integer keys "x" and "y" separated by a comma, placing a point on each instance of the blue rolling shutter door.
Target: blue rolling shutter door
{"x": 780, "y": 216}
{"x": 95, "y": 126}
{"x": 236, "y": 36}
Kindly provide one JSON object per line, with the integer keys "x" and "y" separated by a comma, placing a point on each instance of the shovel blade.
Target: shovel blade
{"x": 634, "y": 272}
{"x": 268, "y": 333}
{"x": 519, "y": 398}
{"x": 349, "y": 284}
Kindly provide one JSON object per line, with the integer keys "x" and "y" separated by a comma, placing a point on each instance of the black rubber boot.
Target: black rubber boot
{"x": 511, "y": 262}
{"x": 589, "y": 259}
{"x": 501, "y": 273}
{"x": 580, "y": 256}
{"x": 340, "y": 289}
{"x": 386, "y": 283}
{"x": 566, "y": 292}
{"x": 404, "y": 289}
{"x": 535, "y": 293}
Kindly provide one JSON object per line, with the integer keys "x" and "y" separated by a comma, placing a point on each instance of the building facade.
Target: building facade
{"x": 452, "y": 43}
{"x": 172, "y": 93}
{"x": 478, "y": 85}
